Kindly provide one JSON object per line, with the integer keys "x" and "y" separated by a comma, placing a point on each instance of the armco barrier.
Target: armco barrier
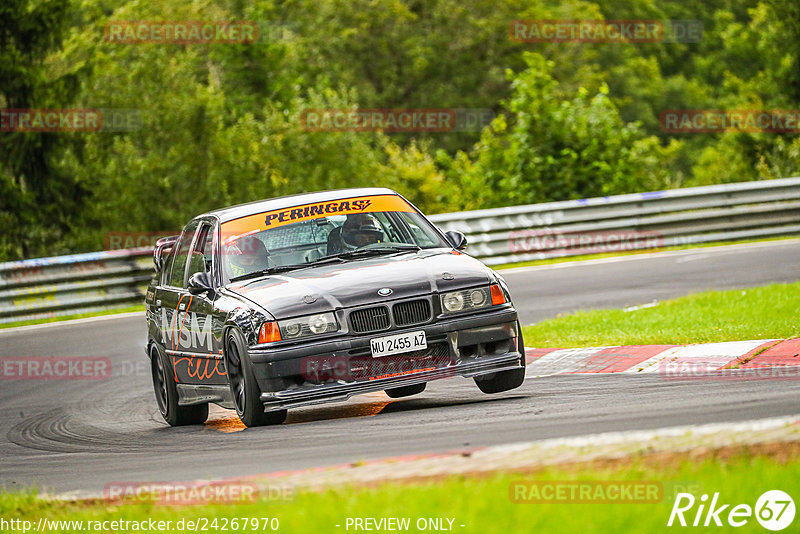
{"x": 79, "y": 283}
{"x": 688, "y": 216}
{"x": 62, "y": 285}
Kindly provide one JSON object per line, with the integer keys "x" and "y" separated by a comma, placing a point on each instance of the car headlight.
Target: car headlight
{"x": 310, "y": 325}
{"x": 470, "y": 299}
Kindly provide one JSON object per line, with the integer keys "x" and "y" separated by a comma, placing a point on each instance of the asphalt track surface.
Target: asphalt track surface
{"x": 70, "y": 435}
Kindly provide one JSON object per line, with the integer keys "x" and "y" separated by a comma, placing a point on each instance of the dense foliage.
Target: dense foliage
{"x": 222, "y": 123}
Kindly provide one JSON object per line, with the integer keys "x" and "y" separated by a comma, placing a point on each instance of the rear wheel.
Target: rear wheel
{"x": 505, "y": 380}
{"x": 244, "y": 388}
{"x": 167, "y": 394}
{"x": 406, "y": 391}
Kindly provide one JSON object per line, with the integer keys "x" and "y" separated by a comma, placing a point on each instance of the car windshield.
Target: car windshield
{"x": 338, "y": 230}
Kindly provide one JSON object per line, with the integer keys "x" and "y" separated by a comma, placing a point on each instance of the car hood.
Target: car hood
{"x": 355, "y": 283}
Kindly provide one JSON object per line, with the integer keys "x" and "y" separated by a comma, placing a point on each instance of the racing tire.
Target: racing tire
{"x": 505, "y": 380}
{"x": 244, "y": 387}
{"x": 167, "y": 394}
{"x": 502, "y": 381}
{"x": 406, "y": 391}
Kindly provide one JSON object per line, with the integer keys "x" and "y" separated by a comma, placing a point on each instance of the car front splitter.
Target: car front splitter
{"x": 340, "y": 391}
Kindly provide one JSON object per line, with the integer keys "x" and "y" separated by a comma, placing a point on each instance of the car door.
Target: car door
{"x": 198, "y": 358}
{"x": 169, "y": 294}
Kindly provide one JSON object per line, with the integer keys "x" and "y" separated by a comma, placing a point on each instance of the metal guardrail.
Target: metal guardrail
{"x": 82, "y": 283}
{"x": 79, "y": 283}
{"x": 727, "y": 212}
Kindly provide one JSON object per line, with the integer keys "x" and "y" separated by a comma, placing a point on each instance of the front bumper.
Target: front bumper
{"x": 339, "y": 391}
{"x": 461, "y": 346}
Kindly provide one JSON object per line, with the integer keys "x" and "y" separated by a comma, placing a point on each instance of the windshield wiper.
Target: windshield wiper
{"x": 269, "y": 270}
{"x": 284, "y": 268}
{"x": 372, "y": 251}
{"x": 341, "y": 256}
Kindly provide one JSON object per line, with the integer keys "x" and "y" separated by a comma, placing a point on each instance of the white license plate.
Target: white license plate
{"x": 388, "y": 345}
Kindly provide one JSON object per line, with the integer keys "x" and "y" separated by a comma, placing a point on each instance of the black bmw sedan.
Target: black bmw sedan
{"x": 316, "y": 297}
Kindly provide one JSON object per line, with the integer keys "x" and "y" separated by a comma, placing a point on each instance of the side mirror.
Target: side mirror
{"x": 457, "y": 239}
{"x": 162, "y": 250}
{"x": 199, "y": 283}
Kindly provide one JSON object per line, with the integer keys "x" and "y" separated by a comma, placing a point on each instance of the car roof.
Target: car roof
{"x": 259, "y": 206}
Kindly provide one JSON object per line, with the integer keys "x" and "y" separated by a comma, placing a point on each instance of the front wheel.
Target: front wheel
{"x": 167, "y": 394}
{"x": 406, "y": 391}
{"x": 244, "y": 388}
{"x": 505, "y": 380}
{"x": 502, "y": 381}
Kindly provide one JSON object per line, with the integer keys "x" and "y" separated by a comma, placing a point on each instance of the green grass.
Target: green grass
{"x": 743, "y": 314}
{"x": 583, "y": 257}
{"x": 482, "y": 504}
{"x": 126, "y": 309}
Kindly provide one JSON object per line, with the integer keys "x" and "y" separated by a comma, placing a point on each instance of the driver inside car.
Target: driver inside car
{"x": 365, "y": 233}
{"x": 358, "y": 230}
{"x": 247, "y": 255}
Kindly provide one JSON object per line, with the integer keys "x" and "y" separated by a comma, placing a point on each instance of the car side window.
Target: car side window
{"x": 177, "y": 275}
{"x": 167, "y": 270}
{"x": 202, "y": 253}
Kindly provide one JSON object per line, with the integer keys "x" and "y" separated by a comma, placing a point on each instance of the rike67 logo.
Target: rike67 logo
{"x": 774, "y": 510}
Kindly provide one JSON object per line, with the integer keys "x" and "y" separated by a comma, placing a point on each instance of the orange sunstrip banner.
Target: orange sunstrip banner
{"x": 237, "y": 228}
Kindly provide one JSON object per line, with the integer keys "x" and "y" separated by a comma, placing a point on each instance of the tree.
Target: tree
{"x": 557, "y": 146}
{"x": 37, "y": 201}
